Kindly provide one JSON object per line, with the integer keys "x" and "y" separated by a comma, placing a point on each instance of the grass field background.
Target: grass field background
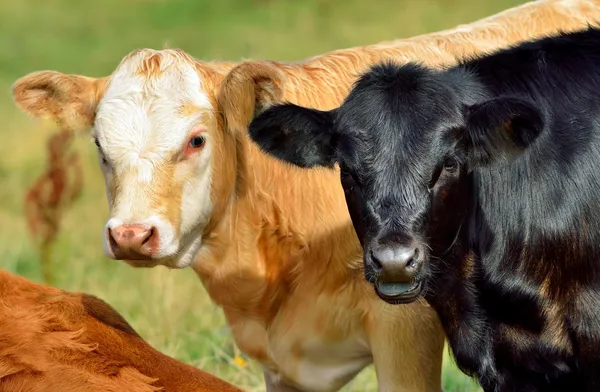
{"x": 170, "y": 308}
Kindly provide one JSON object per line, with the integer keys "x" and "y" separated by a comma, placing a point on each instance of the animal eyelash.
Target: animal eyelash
{"x": 100, "y": 151}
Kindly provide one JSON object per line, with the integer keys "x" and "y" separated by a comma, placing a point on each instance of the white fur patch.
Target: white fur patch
{"x": 140, "y": 115}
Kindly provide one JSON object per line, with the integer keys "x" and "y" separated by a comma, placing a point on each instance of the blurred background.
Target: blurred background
{"x": 168, "y": 308}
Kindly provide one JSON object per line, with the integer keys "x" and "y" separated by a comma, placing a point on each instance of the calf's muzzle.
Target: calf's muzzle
{"x": 133, "y": 242}
{"x": 394, "y": 271}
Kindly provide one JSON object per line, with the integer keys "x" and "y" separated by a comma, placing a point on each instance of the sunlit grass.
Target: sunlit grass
{"x": 170, "y": 308}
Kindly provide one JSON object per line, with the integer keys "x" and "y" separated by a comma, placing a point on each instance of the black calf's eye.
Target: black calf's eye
{"x": 450, "y": 165}
{"x": 196, "y": 142}
{"x": 347, "y": 181}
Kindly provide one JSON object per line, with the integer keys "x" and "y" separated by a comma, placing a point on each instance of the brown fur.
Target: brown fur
{"x": 52, "y": 340}
{"x": 188, "y": 109}
{"x": 72, "y": 104}
{"x": 280, "y": 255}
{"x": 166, "y": 194}
{"x": 555, "y": 331}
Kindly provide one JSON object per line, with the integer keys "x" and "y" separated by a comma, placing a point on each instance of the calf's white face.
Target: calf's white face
{"x": 154, "y": 127}
{"x": 155, "y": 150}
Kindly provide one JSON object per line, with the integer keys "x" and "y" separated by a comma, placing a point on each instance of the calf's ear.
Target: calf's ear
{"x": 501, "y": 128}
{"x": 301, "y": 136}
{"x": 69, "y": 100}
{"x": 247, "y": 89}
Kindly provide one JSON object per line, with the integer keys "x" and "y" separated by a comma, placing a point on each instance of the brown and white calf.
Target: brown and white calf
{"x": 57, "y": 341}
{"x": 273, "y": 244}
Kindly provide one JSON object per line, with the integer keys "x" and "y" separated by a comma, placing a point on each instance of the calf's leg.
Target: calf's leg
{"x": 407, "y": 342}
{"x": 275, "y": 384}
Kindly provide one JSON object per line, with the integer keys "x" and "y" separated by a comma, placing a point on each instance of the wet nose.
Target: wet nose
{"x": 396, "y": 264}
{"x": 133, "y": 242}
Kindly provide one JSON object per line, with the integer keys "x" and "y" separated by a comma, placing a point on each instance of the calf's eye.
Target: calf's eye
{"x": 450, "y": 165}
{"x": 196, "y": 142}
{"x": 100, "y": 152}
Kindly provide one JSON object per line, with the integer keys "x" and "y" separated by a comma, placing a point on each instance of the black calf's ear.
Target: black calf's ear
{"x": 298, "y": 135}
{"x": 501, "y": 128}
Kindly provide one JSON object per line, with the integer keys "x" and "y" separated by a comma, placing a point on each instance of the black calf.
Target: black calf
{"x": 479, "y": 188}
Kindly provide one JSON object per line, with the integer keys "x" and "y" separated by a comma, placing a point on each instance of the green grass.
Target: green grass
{"x": 170, "y": 308}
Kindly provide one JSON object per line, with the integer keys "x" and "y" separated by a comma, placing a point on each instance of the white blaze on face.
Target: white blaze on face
{"x": 154, "y": 103}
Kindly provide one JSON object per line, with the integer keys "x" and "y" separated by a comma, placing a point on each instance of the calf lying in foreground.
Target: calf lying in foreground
{"x": 477, "y": 187}
{"x": 273, "y": 244}
{"x": 55, "y": 341}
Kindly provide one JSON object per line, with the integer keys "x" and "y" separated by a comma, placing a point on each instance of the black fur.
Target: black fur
{"x": 493, "y": 167}
{"x": 308, "y": 145}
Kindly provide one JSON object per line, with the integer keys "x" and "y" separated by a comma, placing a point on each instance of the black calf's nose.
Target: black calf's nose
{"x": 395, "y": 264}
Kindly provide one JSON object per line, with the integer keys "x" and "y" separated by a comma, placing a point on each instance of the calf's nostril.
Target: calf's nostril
{"x": 111, "y": 238}
{"x": 376, "y": 262}
{"x": 412, "y": 262}
{"x": 114, "y": 241}
{"x": 149, "y": 236}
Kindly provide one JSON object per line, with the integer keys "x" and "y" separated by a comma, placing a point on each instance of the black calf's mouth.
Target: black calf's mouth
{"x": 398, "y": 293}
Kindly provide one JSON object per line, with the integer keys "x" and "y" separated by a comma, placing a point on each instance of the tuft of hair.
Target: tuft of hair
{"x": 388, "y": 75}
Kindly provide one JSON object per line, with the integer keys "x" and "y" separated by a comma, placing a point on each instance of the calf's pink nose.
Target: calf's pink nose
{"x": 133, "y": 242}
